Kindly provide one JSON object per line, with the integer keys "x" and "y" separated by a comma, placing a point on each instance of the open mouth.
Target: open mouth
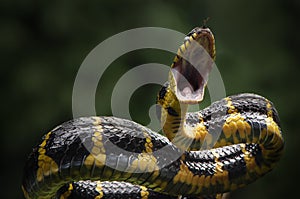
{"x": 192, "y": 68}
{"x": 190, "y": 84}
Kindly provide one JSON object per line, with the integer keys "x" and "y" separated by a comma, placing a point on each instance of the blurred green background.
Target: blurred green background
{"x": 43, "y": 44}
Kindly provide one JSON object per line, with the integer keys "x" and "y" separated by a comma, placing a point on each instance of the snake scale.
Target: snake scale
{"x": 204, "y": 154}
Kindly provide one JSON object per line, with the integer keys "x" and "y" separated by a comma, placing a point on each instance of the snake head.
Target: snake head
{"x": 192, "y": 65}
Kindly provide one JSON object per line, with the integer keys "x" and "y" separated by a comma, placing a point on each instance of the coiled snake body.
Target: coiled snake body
{"x": 219, "y": 149}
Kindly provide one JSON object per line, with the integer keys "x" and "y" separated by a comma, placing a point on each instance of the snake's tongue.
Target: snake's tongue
{"x": 190, "y": 74}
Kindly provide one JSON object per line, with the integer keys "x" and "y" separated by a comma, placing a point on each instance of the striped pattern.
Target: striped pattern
{"x": 228, "y": 145}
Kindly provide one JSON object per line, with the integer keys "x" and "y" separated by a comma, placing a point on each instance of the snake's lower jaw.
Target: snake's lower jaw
{"x": 188, "y": 96}
{"x": 189, "y": 83}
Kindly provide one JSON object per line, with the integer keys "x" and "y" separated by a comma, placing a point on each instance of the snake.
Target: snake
{"x": 204, "y": 154}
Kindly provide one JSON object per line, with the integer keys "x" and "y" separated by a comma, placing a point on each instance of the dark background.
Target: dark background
{"x": 43, "y": 44}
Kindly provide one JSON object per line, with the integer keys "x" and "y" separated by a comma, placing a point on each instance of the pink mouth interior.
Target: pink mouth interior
{"x": 190, "y": 83}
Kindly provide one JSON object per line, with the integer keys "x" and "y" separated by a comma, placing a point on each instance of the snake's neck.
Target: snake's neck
{"x": 173, "y": 113}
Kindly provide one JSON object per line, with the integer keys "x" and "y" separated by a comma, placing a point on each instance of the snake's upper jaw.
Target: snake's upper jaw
{"x": 190, "y": 80}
